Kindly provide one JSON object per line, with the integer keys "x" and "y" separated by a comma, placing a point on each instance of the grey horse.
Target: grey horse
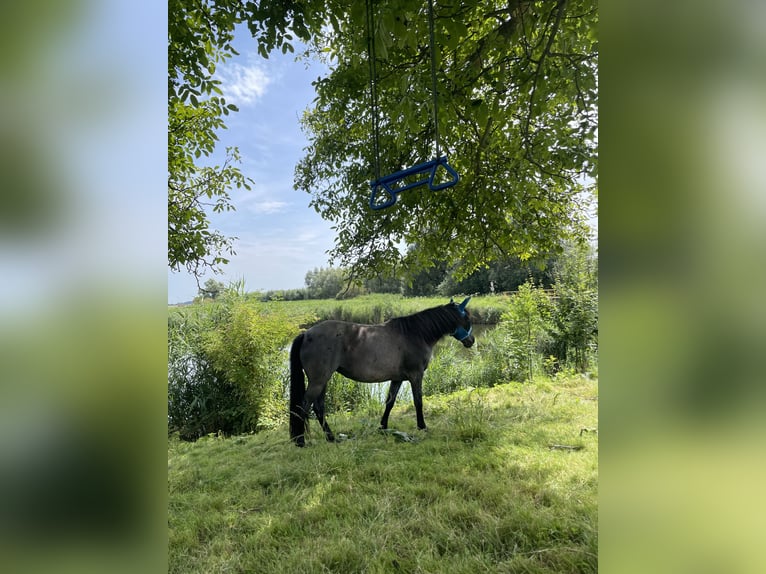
{"x": 397, "y": 350}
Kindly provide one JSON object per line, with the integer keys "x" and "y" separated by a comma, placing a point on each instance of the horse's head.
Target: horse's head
{"x": 464, "y": 330}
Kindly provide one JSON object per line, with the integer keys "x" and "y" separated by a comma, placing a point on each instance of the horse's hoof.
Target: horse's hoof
{"x": 300, "y": 442}
{"x": 330, "y": 438}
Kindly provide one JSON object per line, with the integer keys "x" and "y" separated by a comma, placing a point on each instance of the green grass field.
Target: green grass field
{"x": 378, "y": 307}
{"x": 481, "y": 491}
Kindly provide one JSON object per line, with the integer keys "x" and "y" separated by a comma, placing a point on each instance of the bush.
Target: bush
{"x": 575, "y": 335}
{"x": 527, "y": 325}
{"x": 226, "y": 370}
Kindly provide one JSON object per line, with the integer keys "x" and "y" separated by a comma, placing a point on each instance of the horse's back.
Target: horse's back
{"x": 365, "y": 353}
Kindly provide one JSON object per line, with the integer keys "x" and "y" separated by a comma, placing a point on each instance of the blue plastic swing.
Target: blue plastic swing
{"x": 388, "y": 183}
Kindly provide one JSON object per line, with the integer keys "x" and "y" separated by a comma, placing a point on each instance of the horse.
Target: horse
{"x": 397, "y": 350}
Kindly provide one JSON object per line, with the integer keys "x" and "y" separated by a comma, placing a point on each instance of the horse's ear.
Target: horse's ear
{"x": 451, "y": 301}
{"x": 462, "y": 306}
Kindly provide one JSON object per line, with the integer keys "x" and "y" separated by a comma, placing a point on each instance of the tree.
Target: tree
{"x": 212, "y": 289}
{"x": 425, "y": 281}
{"x": 200, "y": 35}
{"x": 517, "y": 98}
{"x": 193, "y": 188}
{"x": 382, "y": 284}
{"x": 325, "y": 283}
{"x": 476, "y": 282}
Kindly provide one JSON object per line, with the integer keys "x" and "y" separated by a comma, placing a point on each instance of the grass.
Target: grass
{"x": 481, "y": 491}
{"x": 379, "y": 307}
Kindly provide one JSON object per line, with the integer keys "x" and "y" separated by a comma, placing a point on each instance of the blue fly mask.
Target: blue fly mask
{"x": 460, "y": 333}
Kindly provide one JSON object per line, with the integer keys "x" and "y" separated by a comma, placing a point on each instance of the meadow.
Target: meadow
{"x": 504, "y": 480}
{"x": 379, "y": 307}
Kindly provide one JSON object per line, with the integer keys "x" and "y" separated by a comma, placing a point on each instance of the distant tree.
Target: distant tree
{"x": 324, "y": 283}
{"x": 283, "y": 295}
{"x": 505, "y": 274}
{"x": 508, "y": 274}
{"x": 426, "y": 280}
{"x": 383, "y": 285}
{"x": 212, "y": 289}
{"x": 476, "y": 282}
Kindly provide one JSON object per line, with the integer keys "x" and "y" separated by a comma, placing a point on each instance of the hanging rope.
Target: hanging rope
{"x": 393, "y": 184}
{"x": 433, "y": 73}
{"x": 373, "y": 85}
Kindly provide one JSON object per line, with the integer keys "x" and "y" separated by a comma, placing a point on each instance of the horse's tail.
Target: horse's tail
{"x": 297, "y": 390}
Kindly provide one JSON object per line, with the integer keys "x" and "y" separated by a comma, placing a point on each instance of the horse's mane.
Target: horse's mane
{"x": 430, "y": 324}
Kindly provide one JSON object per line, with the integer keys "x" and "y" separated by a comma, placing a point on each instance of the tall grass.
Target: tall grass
{"x": 487, "y": 364}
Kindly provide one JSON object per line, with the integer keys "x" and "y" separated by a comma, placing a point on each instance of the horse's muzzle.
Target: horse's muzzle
{"x": 468, "y": 341}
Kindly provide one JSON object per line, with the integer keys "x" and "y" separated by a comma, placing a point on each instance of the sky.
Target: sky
{"x": 279, "y": 237}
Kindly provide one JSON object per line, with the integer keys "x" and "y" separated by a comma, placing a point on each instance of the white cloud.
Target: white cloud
{"x": 243, "y": 84}
{"x": 269, "y": 206}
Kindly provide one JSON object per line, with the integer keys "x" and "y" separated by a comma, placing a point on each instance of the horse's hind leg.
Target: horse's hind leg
{"x": 393, "y": 390}
{"x": 319, "y": 410}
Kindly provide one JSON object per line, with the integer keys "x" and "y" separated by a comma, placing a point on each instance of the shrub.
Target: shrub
{"x": 226, "y": 370}
{"x": 527, "y": 324}
{"x": 575, "y": 335}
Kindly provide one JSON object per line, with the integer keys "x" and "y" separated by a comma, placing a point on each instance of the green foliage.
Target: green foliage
{"x": 493, "y": 361}
{"x": 576, "y": 315}
{"x": 382, "y": 284}
{"x": 281, "y": 295}
{"x": 503, "y": 274}
{"x": 226, "y": 367}
{"x": 228, "y": 359}
{"x": 200, "y": 401}
{"x": 212, "y": 288}
{"x": 469, "y": 416}
{"x": 248, "y": 349}
{"x": 527, "y": 325}
{"x": 200, "y": 34}
{"x": 517, "y": 96}
{"x": 192, "y": 187}
{"x": 345, "y": 395}
{"x": 424, "y": 281}
{"x": 325, "y": 283}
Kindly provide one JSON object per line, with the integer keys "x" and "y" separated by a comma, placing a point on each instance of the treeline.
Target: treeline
{"x": 504, "y": 275}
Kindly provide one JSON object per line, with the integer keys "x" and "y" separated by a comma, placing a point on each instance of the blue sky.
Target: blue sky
{"x": 279, "y": 237}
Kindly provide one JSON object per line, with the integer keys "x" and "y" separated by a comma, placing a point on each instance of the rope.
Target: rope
{"x": 373, "y": 85}
{"x": 374, "y": 111}
{"x": 433, "y": 74}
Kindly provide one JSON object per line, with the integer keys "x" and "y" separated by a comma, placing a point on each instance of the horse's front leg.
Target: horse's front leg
{"x": 393, "y": 390}
{"x": 417, "y": 398}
